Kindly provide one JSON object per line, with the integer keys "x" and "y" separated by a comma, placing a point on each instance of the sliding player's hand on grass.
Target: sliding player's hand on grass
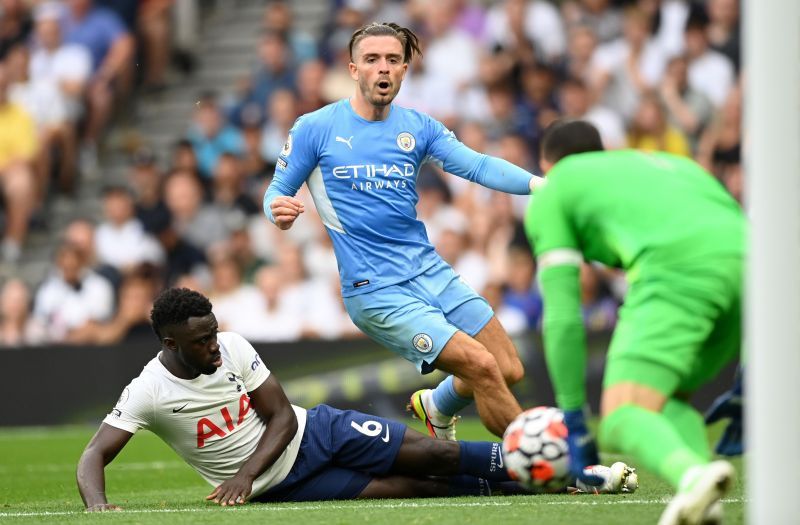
{"x": 232, "y": 492}
{"x": 582, "y": 448}
{"x": 285, "y": 211}
{"x": 103, "y": 507}
{"x": 729, "y": 406}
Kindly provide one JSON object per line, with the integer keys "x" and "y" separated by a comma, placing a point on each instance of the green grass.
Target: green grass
{"x": 37, "y": 485}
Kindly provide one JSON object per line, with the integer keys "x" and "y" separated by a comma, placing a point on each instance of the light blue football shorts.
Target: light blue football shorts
{"x": 415, "y": 319}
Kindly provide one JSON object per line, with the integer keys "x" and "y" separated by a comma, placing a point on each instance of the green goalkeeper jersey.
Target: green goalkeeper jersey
{"x": 626, "y": 209}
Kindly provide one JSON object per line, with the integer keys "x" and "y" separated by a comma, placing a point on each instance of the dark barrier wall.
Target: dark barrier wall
{"x": 68, "y": 384}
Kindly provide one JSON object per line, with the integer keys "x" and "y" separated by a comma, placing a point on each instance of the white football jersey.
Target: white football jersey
{"x": 207, "y": 420}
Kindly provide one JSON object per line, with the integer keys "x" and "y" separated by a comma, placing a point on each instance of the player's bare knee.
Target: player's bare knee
{"x": 483, "y": 371}
{"x": 629, "y": 393}
{"x": 514, "y": 372}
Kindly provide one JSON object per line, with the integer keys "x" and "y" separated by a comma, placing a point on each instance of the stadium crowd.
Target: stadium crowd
{"x": 649, "y": 74}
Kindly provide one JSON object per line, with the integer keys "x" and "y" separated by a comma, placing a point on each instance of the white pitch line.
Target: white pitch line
{"x": 68, "y": 467}
{"x": 518, "y": 502}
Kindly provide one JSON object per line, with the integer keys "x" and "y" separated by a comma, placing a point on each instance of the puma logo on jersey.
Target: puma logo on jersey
{"x": 345, "y": 141}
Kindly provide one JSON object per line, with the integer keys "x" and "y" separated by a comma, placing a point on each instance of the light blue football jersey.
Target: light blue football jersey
{"x": 362, "y": 176}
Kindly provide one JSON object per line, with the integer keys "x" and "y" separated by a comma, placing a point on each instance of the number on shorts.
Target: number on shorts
{"x": 369, "y": 428}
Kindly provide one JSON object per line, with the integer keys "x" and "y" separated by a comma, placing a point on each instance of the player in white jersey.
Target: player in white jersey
{"x": 360, "y": 158}
{"x": 209, "y": 396}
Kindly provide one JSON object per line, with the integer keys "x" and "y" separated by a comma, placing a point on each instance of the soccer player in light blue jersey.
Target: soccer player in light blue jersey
{"x": 360, "y": 158}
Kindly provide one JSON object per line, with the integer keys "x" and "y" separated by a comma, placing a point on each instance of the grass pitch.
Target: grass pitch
{"x": 152, "y": 484}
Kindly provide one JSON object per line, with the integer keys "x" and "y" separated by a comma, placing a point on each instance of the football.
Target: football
{"x": 535, "y": 450}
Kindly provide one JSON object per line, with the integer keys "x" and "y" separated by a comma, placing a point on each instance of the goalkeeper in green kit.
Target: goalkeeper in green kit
{"x": 681, "y": 240}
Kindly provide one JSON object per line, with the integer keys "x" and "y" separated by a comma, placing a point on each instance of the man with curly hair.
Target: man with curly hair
{"x": 210, "y": 397}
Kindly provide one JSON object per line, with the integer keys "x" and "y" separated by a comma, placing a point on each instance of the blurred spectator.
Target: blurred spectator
{"x": 575, "y": 103}
{"x": 313, "y": 301}
{"x": 121, "y": 240}
{"x": 184, "y": 157}
{"x": 238, "y": 306}
{"x": 724, "y": 33}
{"x": 15, "y": 24}
{"x": 671, "y": 16}
{"x": 153, "y": 27}
{"x": 277, "y": 323}
{"x": 512, "y": 319}
{"x": 196, "y": 222}
{"x": 282, "y": 114}
{"x": 599, "y": 310}
{"x": 310, "y": 77}
{"x": 539, "y": 101}
{"x": 81, "y": 233}
{"x": 132, "y": 318}
{"x": 42, "y": 102}
{"x": 276, "y": 70}
{"x": 515, "y": 25}
{"x": 254, "y": 166}
{"x": 146, "y": 180}
{"x": 443, "y": 41}
{"x": 601, "y": 16}
{"x": 229, "y": 195}
{"x": 520, "y": 292}
{"x": 721, "y": 144}
{"x": 182, "y": 260}
{"x": 69, "y": 68}
{"x": 112, "y": 48}
{"x": 240, "y": 248}
{"x": 628, "y": 66}
{"x": 710, "y": 72}
{"x": 278, "y": 17}
{"x": 453, "y": 245}
{"x": 18, "y": 147}
{"x": 577, "y": 62}
{"x": 650, "y": 130}
{"x": 688, "y": 109}
{"x": 17, "y": 328}
{"x": 211, "y": 135}
{"x": 72, "y": 296}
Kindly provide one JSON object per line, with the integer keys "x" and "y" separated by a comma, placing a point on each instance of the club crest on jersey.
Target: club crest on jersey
{"x": 423, "y": 343}
{"x": 287, "y": 147}
{"x": 123, "y": 397}
{"x": 406, "y": 141}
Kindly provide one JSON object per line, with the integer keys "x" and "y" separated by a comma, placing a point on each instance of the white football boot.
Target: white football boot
{"x": 619, "y": 478}
{"x": 697, "y": 500}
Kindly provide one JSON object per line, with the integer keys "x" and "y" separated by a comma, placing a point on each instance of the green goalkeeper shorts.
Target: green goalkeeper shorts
{"x": 678, "y": 327}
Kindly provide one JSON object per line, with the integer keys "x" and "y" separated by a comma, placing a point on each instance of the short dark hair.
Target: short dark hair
{"x": 174, "y": 306}
{"x": 406, "y": 37}
{"x": 566, "y": 137}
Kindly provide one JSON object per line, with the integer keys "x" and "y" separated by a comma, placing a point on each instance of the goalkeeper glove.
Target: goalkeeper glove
{"x": 582, "y": 448}
{"x": 729, "y": 406}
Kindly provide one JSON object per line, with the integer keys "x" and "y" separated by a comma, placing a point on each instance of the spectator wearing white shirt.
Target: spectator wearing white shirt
{"x": 121, "y": 240}
{"x": 444, "y": 42}
{"x": 623, "y": 69}
{"x": 67, "y": 66}
{"x": 515, "y": 23}
{"x": 238, "y": 306}
{"x": 710, "y": 72}
{"x": 575, "y": 102}
{"x": 66, "y": 69}
{"x": 197, "y": 223}
{"x": 278, "y": 322}
{"x": 72, "y": 296}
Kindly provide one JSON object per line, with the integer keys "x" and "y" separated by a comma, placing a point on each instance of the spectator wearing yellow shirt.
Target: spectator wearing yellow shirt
{"x": 18, "y": 145}
{"x": 650, "y": 130}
